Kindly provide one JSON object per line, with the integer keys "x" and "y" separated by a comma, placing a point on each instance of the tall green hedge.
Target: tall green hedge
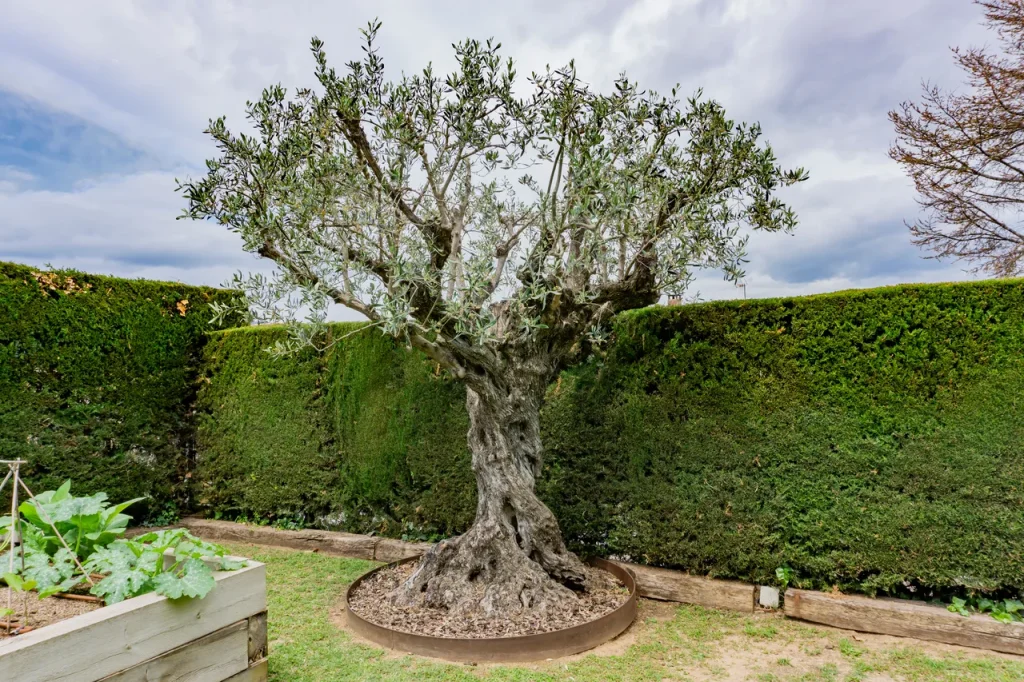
{"x": 868, "y": 439}
{"x": 97, "y": 379}
{"x": 363, "y": 437}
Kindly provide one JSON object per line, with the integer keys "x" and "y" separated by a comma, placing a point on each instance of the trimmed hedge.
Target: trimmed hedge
{"x": 97, "y": 379}
{"x": 867, "y": 439}
{"x": 363, "y": 437}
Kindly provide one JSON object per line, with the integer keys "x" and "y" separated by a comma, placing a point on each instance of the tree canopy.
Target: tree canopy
{"x": 474, "y": 216}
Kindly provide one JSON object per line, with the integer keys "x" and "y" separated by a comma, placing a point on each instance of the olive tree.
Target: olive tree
{"x": 497, "y": 231}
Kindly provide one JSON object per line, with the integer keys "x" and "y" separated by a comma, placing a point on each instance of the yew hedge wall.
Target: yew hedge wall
{"x": 97, "y": 381}
{"x": 872, "y": 439}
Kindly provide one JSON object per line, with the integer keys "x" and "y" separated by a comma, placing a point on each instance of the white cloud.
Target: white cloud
{"x": 118, "y": 225}
{"x": 13, "y": 179}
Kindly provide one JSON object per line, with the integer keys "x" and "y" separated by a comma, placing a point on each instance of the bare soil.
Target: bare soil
{"x": 370, "y": 600}
{"x": 40, "y": 611}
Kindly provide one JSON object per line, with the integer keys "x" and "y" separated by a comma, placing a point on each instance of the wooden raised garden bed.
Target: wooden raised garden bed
{"x": 220, "y": 637}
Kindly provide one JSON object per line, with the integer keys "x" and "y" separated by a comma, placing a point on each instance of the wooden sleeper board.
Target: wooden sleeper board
{"x": 213, "y": 658}
{"x": 905, "y": 618}
{"x": 668, "y": 585}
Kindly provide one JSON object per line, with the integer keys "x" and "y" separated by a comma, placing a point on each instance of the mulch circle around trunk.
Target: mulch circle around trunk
{"x": 369, "y": 600}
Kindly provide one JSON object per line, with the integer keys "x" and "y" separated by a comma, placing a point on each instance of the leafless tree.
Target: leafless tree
{"x": 965, "y": 152}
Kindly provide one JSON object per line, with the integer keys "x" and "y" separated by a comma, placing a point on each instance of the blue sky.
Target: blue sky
{"x": 102, "y": 107}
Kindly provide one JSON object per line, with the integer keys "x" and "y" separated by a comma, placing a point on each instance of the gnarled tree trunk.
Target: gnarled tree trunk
{"x": 513, "y": 556}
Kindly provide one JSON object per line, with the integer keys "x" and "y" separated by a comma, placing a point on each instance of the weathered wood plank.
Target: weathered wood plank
{"x": 257, "y": 672}
{"x": 668, "y": 585}
{"x": 388, "y": 550}
{"x": 328, "y": 542}
{"x": 115, "y": 638}
{"x": 257, "y": 636}
{"x": 212, "y": 658}
{"x": 905, "y": 619}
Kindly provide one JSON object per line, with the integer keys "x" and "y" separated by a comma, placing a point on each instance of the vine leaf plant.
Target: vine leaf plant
{"x": 1003, "y": 610}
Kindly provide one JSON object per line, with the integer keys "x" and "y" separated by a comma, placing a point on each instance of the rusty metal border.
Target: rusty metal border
{"x": 518, "y": 649}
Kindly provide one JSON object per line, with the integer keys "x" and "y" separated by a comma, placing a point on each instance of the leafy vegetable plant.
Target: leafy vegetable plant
{"x": 85, "y": 523}
{"x": 169, "y": 562}
{"x": 59, "y": 531}
{"x": 784, "y": 574}
{"x": 89, "y": 540}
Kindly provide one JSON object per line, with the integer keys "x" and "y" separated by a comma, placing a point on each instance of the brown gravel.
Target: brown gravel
{"x": 370, "y": 601}
{"x": 40, "y": 611}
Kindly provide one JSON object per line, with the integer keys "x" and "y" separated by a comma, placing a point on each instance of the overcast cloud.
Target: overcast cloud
{"x": 102, "y": 105}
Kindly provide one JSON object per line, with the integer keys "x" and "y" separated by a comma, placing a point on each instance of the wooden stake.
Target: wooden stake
{"x": 13, "y": 534}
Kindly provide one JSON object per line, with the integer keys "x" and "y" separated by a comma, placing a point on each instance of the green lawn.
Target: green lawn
{"x": 669, "y": 642}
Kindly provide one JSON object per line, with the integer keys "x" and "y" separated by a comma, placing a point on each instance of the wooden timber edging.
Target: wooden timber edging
{"x": 863, "y": 614}
{"x": 905, "y": 618}
{"x": 348, "y": 545}
{"x": 653, "y": 583}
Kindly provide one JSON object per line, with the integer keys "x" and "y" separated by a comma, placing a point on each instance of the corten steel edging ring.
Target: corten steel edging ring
{"x": 518, "y": 649}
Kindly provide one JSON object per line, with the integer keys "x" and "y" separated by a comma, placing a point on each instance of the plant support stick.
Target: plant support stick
{"x": 14, "y": 529}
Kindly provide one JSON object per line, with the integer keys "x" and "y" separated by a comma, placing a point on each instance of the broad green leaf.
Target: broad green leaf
{"x": 17, "y": 583}
{"x": 13, "y": 581}
{"x": 232, "y": 564}
{"x": 117, "y": 522}
{"x": 61, "y": 492}
{"x": 193, "y": 579}
{"x": 120, "y": 585}
{"x": 30, "y": 514}
{"x": 64, "y": 586}
{"x": 959, "y": 606}
{"x": 112, "y": 559}
{"x": 115, "y": 511}
{"x": 64, "y": 561}
{"x": 70, "y": 507}
{"x": 39, "y": 568}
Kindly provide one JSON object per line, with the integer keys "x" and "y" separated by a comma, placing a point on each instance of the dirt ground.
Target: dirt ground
{"x": 40, "y": 611}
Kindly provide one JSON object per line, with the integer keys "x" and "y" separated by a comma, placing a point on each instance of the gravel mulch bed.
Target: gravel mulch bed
{"x": 370, "y": 601}
{"x": 40, "y": 611}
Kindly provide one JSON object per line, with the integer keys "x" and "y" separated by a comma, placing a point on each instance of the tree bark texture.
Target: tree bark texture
{"x": 513, "y": 556}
